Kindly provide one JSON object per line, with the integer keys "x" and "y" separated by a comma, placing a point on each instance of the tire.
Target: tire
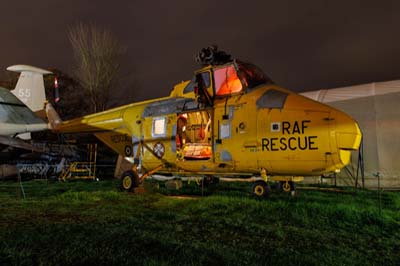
{"x": 287, "y": 186}
{"x": 128, "y": 181}
{"x": 260, "y": 189}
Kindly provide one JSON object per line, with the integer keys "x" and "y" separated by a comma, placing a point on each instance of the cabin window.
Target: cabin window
{"x": 225, "y": 131}
{"x": 226, "y": 81}
{"x": 159, "y": 127}
{"x": 272, "y": 99}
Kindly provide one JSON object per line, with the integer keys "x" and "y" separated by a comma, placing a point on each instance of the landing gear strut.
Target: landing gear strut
{"x": 208, "y": 180}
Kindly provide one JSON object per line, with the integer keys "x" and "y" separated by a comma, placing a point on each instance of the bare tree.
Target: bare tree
{"x": 97, "y": 54}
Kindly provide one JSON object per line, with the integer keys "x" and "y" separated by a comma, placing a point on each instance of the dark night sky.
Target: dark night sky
{"x": 301, "y": 45}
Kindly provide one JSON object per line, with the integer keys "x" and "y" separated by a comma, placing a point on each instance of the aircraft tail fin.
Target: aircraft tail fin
{"x": 30, "y": 86}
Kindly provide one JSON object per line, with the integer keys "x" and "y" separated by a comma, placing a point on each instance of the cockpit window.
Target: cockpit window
{"x": 190, "y": 86}
{"x": 252, "y": 75}
{"x": 272, "y": 99}
{"x": 226, "y": 81}
{"x": 205, "y": 77}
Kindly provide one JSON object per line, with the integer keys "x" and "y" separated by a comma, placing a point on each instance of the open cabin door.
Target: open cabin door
{"x": 193, "y": 129}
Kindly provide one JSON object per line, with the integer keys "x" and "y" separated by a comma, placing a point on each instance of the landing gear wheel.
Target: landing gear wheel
{"x": 260, "y": 189}
{"x": 288, "y": 186}
{"x": 129, "y": 180}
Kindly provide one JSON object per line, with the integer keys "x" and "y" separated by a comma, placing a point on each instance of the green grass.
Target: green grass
{"x": 86, "y": 222}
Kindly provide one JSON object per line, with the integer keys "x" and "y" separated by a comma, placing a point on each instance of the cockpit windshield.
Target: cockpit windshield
{"x": 233, "y": 78}
{"x": 252, "y": 75}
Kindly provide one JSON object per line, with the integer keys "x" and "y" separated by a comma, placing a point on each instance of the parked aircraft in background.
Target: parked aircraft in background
{"x": 19, "y": 108}
{"x": 230, "y": 120}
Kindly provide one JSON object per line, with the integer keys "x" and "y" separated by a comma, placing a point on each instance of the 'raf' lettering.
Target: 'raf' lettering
{"x": 287, "y": 128}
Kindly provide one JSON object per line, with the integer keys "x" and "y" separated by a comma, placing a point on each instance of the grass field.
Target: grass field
{"x": 91, "y": 223}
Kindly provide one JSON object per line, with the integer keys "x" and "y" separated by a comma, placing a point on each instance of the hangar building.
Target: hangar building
{"x": 376, "y": 107}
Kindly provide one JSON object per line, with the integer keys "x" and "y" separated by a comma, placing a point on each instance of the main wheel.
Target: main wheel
{"x": 260, "y": 189}
{"x": 129, "y": 180}
{"x": 287, "y": 186}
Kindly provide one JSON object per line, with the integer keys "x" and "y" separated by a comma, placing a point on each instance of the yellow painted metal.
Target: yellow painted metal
{"x": 264, "y": 174}
{"x": 78, "y": 170}
{"x": 116, "y": 141}
{"x": 178, "y": 91}
{"x": 149, "y": 173}
{"x": 82, "y": 170}
{"x": 278, "y": 178}
{"x": 310, "y": 139}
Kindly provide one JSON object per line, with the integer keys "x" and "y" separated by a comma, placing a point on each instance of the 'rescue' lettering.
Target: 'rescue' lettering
{"x": 292, "y": 143}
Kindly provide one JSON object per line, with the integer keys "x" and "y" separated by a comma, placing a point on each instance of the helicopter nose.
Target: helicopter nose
{"x": 348, "y": 133}
{"x": 348, "y": 136}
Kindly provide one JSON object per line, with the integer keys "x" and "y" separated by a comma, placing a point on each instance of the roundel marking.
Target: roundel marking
{"x": 128, "y": 150}
{"x": 159, "y": 149}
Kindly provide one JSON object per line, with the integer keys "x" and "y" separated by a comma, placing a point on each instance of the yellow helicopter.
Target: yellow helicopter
{"x": 229, "y": 121}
